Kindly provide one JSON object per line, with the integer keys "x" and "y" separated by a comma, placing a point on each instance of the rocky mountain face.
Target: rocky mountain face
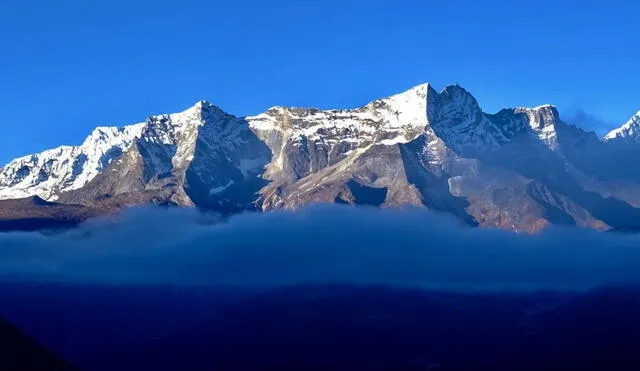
{"x": 520, "y": 169}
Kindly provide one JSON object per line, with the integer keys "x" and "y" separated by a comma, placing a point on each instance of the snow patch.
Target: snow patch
{"x": 219, "y": 189}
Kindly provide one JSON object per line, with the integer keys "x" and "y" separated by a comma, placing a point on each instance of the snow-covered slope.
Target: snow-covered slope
{"x": 306, "y": 140}
{"x": 630, "y": 130}
{"x": 390, "y": 117}
{"x": 65, "y": 168}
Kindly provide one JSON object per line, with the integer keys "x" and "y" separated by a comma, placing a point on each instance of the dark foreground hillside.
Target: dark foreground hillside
{"x": 20, "y": 353}
{"x": 335, "y": 327}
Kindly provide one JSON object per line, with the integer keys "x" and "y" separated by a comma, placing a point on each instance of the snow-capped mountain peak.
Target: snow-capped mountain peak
{"x": 169, "y": 141}
{"x": 542, "y": 116}
{"x": 406, "y": 109}
{"x": 394, "y": 119}
{"x": 629, "y": 130}
{"x": 543, "y": 120}
{"x": 201, "y": 104}
{"x": 456, "y": 117}
{"x": 67, "y": 167}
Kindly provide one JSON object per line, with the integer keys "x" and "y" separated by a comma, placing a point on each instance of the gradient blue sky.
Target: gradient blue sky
{"x": 70, "y": 65}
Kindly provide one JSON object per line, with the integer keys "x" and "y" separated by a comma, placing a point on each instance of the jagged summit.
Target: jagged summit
{"x": 205, "y": 106}
{"x": 202, "y": 103}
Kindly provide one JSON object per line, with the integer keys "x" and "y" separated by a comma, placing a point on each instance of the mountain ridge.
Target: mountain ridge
{"x": 630, "y": 129}
{"x": 519, "y": 168}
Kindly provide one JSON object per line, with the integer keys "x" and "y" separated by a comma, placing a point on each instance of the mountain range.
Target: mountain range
{"x": 520, "y": 169}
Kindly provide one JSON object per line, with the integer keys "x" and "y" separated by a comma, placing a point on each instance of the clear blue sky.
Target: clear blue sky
{"x": 67, "y": 66}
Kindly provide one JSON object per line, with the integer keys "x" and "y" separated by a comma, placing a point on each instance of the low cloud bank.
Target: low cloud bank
{"x": 319, "y": 243}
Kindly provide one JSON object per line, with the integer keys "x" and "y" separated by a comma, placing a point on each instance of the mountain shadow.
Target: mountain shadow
{"x": 227, "y": 180}
{"x": 364, "y": 195}
{"x": 434, "y": 189}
